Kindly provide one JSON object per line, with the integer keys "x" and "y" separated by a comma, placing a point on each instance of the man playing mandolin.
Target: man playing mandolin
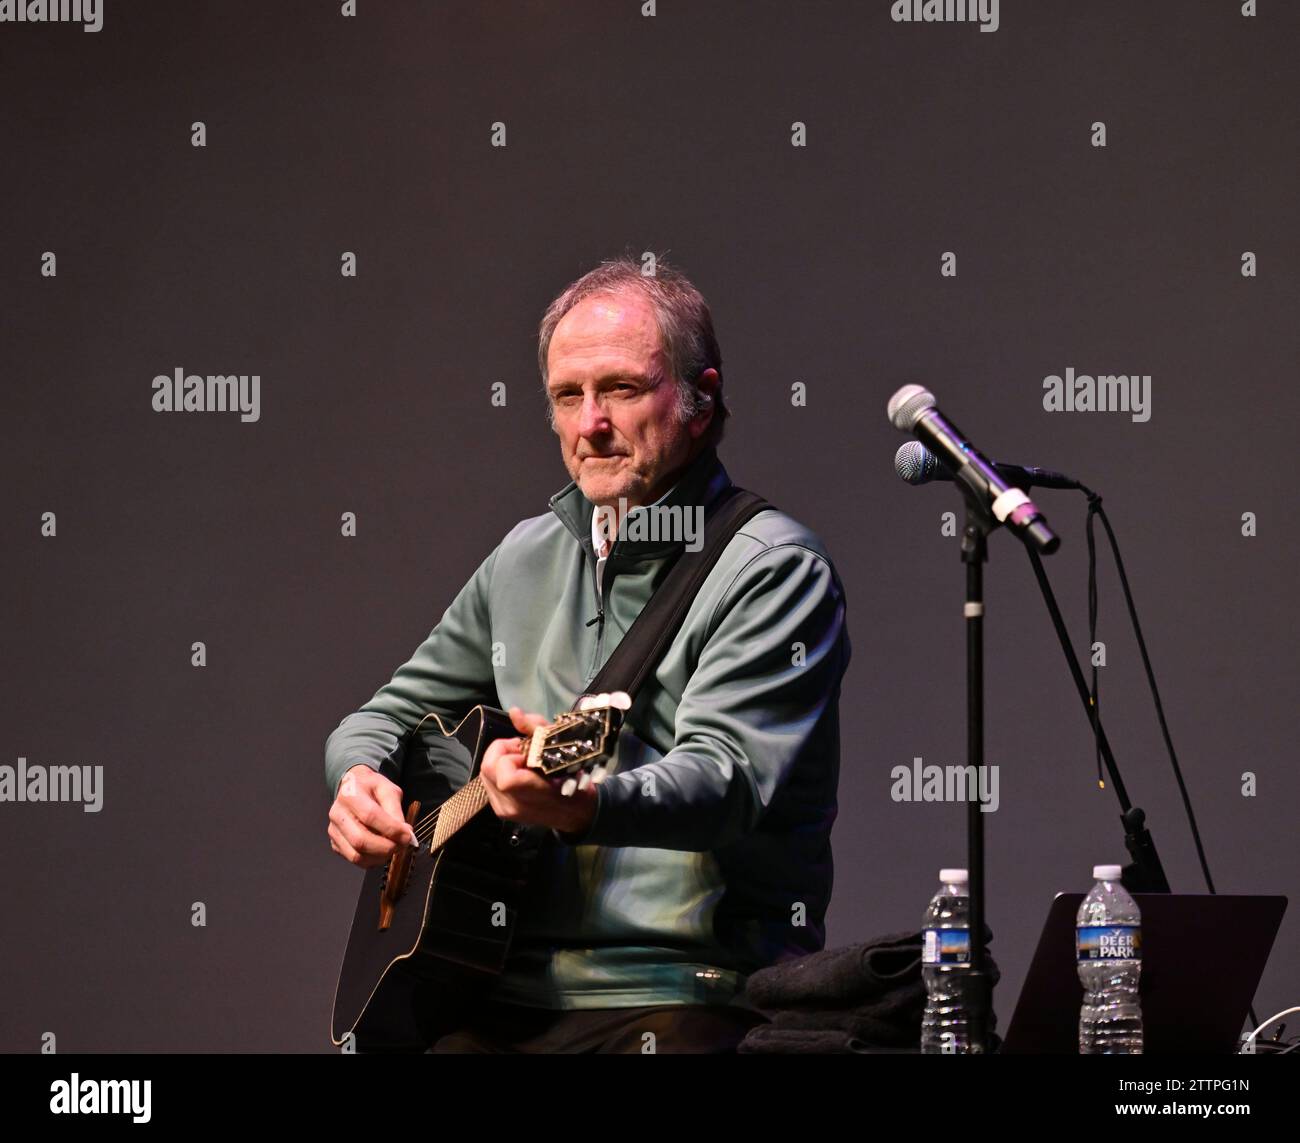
{"x": 705, "y": 853}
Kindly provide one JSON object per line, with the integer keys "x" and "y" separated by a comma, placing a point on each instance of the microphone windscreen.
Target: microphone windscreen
{"x": 907, "y": 405}
{"x": 915, "y": 463}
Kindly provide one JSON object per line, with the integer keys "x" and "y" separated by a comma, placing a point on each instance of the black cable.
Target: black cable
{"x": 1093, "y": 695}
{"x": 1094, "y": 507}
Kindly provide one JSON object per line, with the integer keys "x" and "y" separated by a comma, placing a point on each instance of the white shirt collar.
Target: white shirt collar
{"x": 597, "y": 533}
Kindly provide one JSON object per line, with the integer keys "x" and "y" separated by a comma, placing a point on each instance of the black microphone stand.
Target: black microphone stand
{"x": 974, "y": 554}
{"x": 1145, "y": 874}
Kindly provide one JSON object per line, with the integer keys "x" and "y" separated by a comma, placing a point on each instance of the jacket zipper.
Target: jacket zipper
{"x": 602, "y": 588}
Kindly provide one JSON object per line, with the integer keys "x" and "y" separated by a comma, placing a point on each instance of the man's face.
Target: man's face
{"x": 614, "y": 403}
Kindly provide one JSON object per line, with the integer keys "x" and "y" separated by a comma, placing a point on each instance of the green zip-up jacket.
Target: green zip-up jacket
{"x": 709, "y": 854}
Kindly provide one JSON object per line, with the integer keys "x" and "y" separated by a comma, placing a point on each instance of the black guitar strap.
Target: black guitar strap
{"x": 648, "y": 639}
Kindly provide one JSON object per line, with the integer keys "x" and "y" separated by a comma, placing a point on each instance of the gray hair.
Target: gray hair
{"x": 685, "y": 329}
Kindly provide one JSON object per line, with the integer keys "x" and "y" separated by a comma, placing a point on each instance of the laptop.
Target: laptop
{"x": 1202, "y": 957}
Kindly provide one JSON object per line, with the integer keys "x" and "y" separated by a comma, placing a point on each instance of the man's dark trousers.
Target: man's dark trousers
{"x": 513, "y": 1028}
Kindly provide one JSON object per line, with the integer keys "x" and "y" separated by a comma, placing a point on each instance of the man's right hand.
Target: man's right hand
{"x": 366, "y": 820}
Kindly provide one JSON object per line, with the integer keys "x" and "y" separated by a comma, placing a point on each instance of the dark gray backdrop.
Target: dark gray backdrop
{"x": 372, "y": 134}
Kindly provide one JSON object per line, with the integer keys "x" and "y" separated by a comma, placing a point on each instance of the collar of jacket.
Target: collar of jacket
{"x": 699, "y": 485}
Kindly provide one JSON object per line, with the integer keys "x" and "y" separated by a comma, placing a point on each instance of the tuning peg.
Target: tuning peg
{"x": 620, "y": 700}
{"x": 598, "y": 774}
{"x": 584, "y": 780}
{"x": 570, "y": 784}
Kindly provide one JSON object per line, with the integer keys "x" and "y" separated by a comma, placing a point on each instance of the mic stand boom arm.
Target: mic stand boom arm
{"x": 1145, "y": 874}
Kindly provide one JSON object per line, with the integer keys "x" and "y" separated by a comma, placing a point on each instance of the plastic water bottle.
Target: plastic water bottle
{"x": 1109, "y": 944}
{"x": 945, "y": 967}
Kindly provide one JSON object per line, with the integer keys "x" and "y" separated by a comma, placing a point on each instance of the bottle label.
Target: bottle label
{"x": 946, "y": 946}
{"x": 1109, "y": 942}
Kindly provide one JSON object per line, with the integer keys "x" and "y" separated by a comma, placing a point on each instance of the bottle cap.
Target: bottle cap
{"x": 1107, "y": 872}
{"x": 949, "y": 876}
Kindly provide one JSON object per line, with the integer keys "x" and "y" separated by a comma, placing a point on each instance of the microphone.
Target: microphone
{"x": 916, "y": 464}
{"x": 914, "y": 410}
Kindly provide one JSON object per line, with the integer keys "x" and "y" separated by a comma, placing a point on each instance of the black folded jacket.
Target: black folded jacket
{"x": 894, "y": 1019}
{"x": 865, "y": 998}
{"x": 844, "y": 977}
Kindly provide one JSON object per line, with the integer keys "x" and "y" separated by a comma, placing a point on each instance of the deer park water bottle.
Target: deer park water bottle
{"x": 945, "y": 967}
{"x": 1109, "y": 944}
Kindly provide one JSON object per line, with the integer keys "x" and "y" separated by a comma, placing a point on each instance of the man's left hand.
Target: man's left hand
{"x": 518, "y": 794}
